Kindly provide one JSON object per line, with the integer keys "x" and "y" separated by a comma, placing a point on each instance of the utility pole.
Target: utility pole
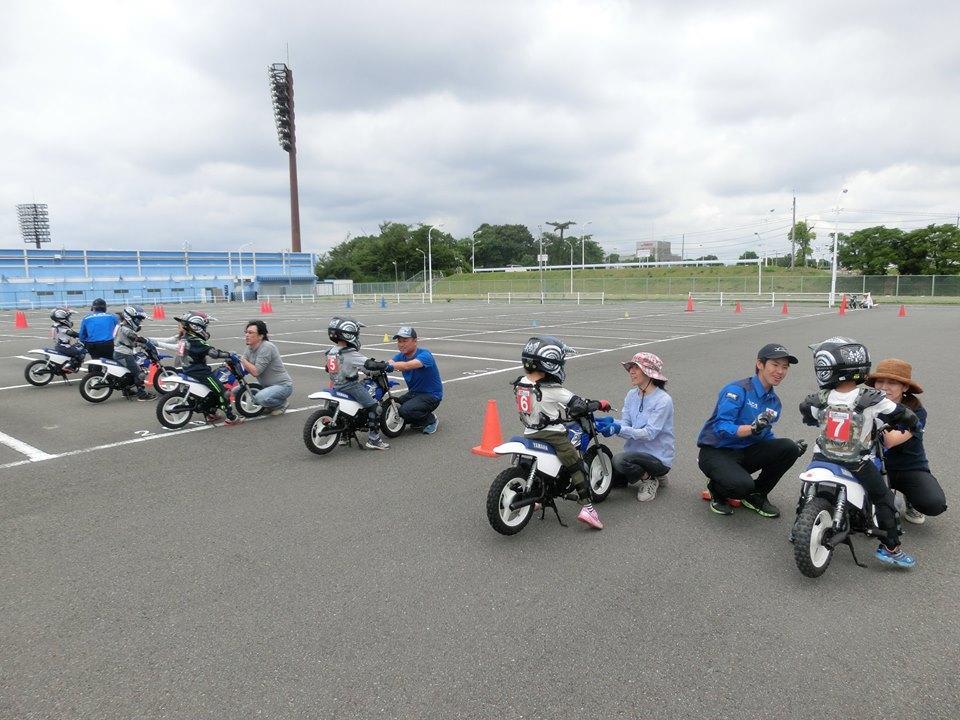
{"x": 793, "y": 229}
{"x": 683, "y": 242}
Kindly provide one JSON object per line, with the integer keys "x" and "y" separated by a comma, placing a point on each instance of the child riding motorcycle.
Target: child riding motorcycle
{"x": 847, "y": 412}
{"x": 544, "y": 405}
{"x": 65, "y": 336}
{"x": 195, "y": 351}
{"x": 127, "y": 341}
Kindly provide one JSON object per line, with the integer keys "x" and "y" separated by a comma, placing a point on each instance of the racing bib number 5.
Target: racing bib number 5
{"x": 524, "y": 400}
{"x": 333, "y": 364}
{"x": 838, "y": 426}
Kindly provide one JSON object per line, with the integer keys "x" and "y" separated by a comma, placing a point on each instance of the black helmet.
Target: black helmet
{"x": 839, "y": 359}
{"x": 61, "y": 316}
{"x": 546, "y": 354}
{"x": 99, "y": 305}
{"x": 346, "y": 329}
{"x": 195, "y": 323}
{"x": 133, "y": 315}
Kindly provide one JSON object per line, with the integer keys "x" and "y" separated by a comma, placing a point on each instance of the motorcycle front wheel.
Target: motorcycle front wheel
{"x": 320, "y": 435}
{"x": 505, "y": 487}
{"x": 391, "y": 424}
{"x": 38, "y": 373}
{"x": 95, "y": 388}
{"x": 165, "y": 380}
{"x": 174, "y": 410}
{"x": 245, "y": 403}
{"x": 599, "y": 461}
{"x": 811, "y": 555}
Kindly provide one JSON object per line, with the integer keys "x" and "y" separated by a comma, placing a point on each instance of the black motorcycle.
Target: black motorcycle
{"x": 104, "y": 376}
{"x": 176, "y": 408}
{"x": 54, "y": 364}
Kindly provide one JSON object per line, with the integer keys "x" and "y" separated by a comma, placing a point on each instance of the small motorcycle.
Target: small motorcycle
{"x": 54, "y": 364}
{"x": 832, "y": 507}
{"x": 104, "y": 376}
{"x": 176, "y": 408}
{"x": 536, "y": 475}
{"x": 342, "y": 417}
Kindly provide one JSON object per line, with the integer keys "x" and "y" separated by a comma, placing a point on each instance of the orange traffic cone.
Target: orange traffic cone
{"x": 843, "y": 305}
{"x": 151, "y": 373}
{"x": 738, "y": 308}
{"x": 903, "y": 311}
{"x": 20, "y": 320}
{"x": 263, "y": 307}
{"x": 269, "y": 306}
{"x": 689, "y": 303}
{"x": 784, "y": 310}
{"x": 491, "y": 432}
{"x": 705, "y": 494}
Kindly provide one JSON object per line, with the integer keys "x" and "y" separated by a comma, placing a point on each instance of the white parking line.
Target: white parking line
{"x": 21, "y": 447}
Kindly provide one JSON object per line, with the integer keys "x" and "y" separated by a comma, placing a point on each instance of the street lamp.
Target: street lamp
{"x": 243, "y": 294}
{"x": 396, "y": 280}
{"x": 430, "y": 259}
{"x": 836, "y": 237}
{"x": 760, "y": 245}
{"x": 473, "y": 250}
{"x": 571, "y": 244}
{"x": 583, "y": 242}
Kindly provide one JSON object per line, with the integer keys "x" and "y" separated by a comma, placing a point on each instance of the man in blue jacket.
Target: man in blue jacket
{"x": 420, "y": 372}
{"x": 737, "y": 440}
{"x": 97, "y": 330}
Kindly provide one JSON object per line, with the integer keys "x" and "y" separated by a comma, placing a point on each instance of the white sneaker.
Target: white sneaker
{"x": 912, "y": 515}
{"x": 648, "y": 489}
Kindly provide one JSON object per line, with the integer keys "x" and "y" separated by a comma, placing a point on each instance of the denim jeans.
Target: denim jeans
{"x": 273, "y": 396}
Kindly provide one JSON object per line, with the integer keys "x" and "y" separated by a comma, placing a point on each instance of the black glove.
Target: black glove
{"x": 72, "y": 333}
{"x": 801, "y": 447}
{"x": 806, "y": 409}
{"x": 903, "y": 418}
{"x": 761, "y": 423}
{"x": 375, "y": 365}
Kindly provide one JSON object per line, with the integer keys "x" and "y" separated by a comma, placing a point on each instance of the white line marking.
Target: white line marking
{"x": 474, "y": 357}
{"x": 312, "y": 367}
{"x": 14, "y": 387}
{"x": 21, "y": 447}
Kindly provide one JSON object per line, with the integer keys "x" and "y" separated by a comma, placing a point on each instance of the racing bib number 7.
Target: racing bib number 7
{"x": 838, "y": 426}
{"x": 524, "y": 400}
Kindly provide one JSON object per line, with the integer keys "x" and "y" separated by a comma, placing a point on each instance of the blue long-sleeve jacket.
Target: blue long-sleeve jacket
{"x": 738, "y": 404}
{"x": 647, "y": 426}
{"x": 98, "y": 327}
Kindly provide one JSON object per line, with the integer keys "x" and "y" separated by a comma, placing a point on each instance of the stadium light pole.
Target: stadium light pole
{"x": 281, "y": 92}
{"x": 836, "y": 238}
{"x": 430, "y": 257}
{"x": 243, "y": 294}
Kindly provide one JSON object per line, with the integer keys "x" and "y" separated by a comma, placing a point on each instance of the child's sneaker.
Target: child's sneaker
{"x": 375, "y": 442}
{"x": 895, "y": 557}
{"x": 233, "y": 420}
{"x": 589, "y": 516}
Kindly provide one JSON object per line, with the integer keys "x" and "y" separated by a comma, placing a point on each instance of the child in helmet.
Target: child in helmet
{"x": 544, "y": 405}
{"x": 194, "y": 351}
{"x": 344, "y": 363}
{"x": 848, "y": 413}
{"x": 127, "y": 340}
{"x": 65, "y": 336}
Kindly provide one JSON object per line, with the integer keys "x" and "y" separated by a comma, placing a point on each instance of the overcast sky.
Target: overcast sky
{"x": 150, "y": 125}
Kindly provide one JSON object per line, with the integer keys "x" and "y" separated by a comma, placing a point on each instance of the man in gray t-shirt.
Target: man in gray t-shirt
{"x": 262, "y": 360}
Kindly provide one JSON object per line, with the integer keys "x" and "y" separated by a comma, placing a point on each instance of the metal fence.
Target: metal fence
{"x": 479, "y": 285}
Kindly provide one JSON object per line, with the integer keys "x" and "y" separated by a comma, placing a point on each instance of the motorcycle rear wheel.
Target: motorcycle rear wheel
{"x": 95, "y": 388}
{"x": 38, "y": 373}
{"x": 811, "y": 555}
{"x": 173, "y": 410}
{"x": 505, "y": 486}
{"x": 312, "y": 429}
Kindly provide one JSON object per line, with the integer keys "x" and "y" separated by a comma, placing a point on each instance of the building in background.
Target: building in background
{"x": 655, "y": 250}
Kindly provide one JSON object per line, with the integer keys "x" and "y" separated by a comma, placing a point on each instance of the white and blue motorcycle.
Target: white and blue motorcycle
{"x": 536, "y": 476}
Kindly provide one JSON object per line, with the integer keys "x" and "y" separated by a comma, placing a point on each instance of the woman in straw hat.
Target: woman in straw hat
{"x": 905, "y": 457}
{"x": 646, "y": 425}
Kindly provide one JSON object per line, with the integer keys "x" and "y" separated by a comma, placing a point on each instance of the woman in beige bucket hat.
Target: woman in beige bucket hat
{"x": 906, "y": 460}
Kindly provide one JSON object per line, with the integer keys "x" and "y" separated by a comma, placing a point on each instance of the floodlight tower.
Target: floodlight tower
{"x": 34, "y": 223}
{"x": 281, "y": 90}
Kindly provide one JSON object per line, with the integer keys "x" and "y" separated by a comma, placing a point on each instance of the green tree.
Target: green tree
{"x": 933, "y": 250}
{"x": 749, "y": 255}
{"x": 869, "y": 250}
{"x": 803, "y": 237}
{"x": 502, "y": 245}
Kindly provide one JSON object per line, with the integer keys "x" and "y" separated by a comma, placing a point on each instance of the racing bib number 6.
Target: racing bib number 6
{"x": 838, "y": 426}
{"x": 524, "y": 400}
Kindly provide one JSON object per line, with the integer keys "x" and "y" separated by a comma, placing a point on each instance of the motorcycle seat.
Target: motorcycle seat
{"x": 537, "y": 445}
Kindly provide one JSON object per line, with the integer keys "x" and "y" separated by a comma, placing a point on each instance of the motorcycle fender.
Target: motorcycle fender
{"x": 347, "y": 407}
{"x": 547, "y": 464}
{"x": 109, "y": 368}
{"x": 821, "y": 476}
{"x": 195, "y": 388}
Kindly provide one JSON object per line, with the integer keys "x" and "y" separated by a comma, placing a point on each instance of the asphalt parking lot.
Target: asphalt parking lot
{"x": 221, "y": 572}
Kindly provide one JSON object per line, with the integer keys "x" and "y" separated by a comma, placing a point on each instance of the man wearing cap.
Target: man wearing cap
{"x": 97, "y": 330}
{"x": 424, "y": 387}
{"x": 647, "y": 426}
{"x": 737, "y": 440}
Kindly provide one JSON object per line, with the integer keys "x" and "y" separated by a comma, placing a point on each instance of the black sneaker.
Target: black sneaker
{"x": 760, "y": 505}
{"x": 720, "y": 507}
